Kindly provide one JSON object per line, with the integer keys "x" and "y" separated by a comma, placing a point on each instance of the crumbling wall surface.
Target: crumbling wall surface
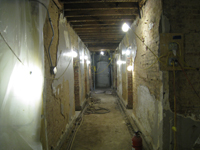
{"x": 59, "y": 92}
{"x": 147, "y": 78}
{"x": 60, "y": 88}
{"x": 183, "y": 17}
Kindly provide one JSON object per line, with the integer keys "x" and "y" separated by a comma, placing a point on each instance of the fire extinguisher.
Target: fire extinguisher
{"x": 137, "y": 141}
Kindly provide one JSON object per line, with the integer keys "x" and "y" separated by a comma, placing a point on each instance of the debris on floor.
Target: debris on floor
{"x": 102, "y": 131}
{"x": 99, "y": 91}
{"x": 108, "y": 92}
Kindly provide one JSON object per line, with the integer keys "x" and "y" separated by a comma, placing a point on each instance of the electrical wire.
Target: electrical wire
{"x": 175, "y": 113}
{"x": 97, "y": 111}
{"x": 154, "y": 62}
{"x": 51, "y": 27}
{"x": 91, "y": 109}
{"x": 71, "y": 145}
{"x": 107, "y": 65}
{"x": 189, "y": 80}
{"x": 11, "y": 49}
{"x": 146, "y": 45}
{"x": 62, "y": 73}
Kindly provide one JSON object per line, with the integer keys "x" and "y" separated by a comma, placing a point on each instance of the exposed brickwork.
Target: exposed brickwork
{"x": 184, "y": 18}
{"x": 77, "y": 89}
{"x": 86, "y": 77}
{"x": 130, "y": 85}
{"x": 55, "y": 125}
{"x": 60, "y": 107}
{"x": 145, "y": 88}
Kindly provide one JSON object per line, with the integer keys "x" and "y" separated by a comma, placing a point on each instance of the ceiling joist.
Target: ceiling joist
{"x": 95, "y": 1}
{"x": 98, "y": 22}
{"x": 109, "y": 12}
{"x": 102, "y": 18}
{"x": 99, "y": 6}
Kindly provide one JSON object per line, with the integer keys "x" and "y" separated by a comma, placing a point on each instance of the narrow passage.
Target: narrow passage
{"x": 103, "y": 131}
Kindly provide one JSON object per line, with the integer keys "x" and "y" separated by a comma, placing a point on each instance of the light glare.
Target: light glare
{"x": 71, "y": 54}
{"x": 130, "y": 68}
{"x": 125, "y": 27}
{"x": 102, "y": 53}
{"x": 74, "y": 54}
{"x": 85, "y": 57}
{"x": 128, "y": 52}
{"x": 88, "y": 62}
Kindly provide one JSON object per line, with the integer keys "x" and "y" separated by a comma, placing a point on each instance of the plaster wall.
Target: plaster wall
{"x": 147, "y": 78}
{"x": 59, "y": 88}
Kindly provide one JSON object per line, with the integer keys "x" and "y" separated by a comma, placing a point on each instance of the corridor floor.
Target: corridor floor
{"x": 103, "y": 131}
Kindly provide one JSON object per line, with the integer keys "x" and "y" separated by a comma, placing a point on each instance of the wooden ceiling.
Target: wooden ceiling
{"x": 98, "y": 22}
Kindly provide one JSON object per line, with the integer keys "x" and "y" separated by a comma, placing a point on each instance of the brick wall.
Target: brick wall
{"x": 63, "y": 95}
{"x": 183, "y": 17}
{"x": 146, "y": 86}
{"x": 130, "y": 85}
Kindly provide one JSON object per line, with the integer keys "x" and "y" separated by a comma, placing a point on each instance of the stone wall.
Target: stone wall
{"x": 147, "y": 78}
{"x": 59, "y": 99}
{"x": 183, "y": 17}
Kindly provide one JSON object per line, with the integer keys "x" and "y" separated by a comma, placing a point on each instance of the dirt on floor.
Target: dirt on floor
{"x": 103, "y": 131}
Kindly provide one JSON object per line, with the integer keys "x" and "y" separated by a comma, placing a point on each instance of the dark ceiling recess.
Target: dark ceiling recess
{"x": 98, "y": 22}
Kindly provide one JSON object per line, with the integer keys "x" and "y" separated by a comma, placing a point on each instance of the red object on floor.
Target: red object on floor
{"x": 137, "y": 141}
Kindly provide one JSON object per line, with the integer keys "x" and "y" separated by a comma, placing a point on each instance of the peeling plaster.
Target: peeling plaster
{"x": 149, "y": 114}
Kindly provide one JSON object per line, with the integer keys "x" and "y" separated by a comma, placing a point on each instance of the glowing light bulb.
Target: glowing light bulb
{"x": 85, "y": 57}
{"x": 88, "y": 62}
{"x": 102, "y": 53}
{"x": 128, "y": 52}
{"x": 130, "y": 68}
{"x": 118, "y": 62}
{"x": 125, "y": 27}
{"x": 74, "y": 54}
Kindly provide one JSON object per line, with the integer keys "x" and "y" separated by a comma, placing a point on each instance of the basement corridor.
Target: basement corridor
{"x": 55, "y": 54}
{"x": 102, "y": 131}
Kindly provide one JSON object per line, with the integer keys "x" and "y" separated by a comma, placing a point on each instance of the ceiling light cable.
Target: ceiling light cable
{"x": 52, "y": 67}
{"x": 11, "y": 49}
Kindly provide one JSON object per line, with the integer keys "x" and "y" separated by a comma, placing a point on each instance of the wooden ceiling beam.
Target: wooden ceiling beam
{"x": 101, "y": 41}
{"x": 101, "y": 18}
{"x": 93, "y": 49}
{"x": 102, "y": 44}
{"x": 109, "y": 12}
{"x": 99, "y": 23}
{"x": 101, "y": 36}
{"x": 97, "y": 31}
{"x": 95, "y": 26}
{"x": 95, "y": 1}
{"x": 100, "y": 6}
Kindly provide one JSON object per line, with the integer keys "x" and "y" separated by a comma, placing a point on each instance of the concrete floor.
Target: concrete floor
{"x": 103, "y": 131}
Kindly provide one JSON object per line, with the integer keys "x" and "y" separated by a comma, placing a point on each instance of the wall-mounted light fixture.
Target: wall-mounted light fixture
{"x": 88, "y": 62}
{"x": 119, "y": 62}
{"x": 53, "y": 70}
{"x": 130, "y": 68}
{"x": 86, "y": 57}
{"x": 128, "y": 52}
